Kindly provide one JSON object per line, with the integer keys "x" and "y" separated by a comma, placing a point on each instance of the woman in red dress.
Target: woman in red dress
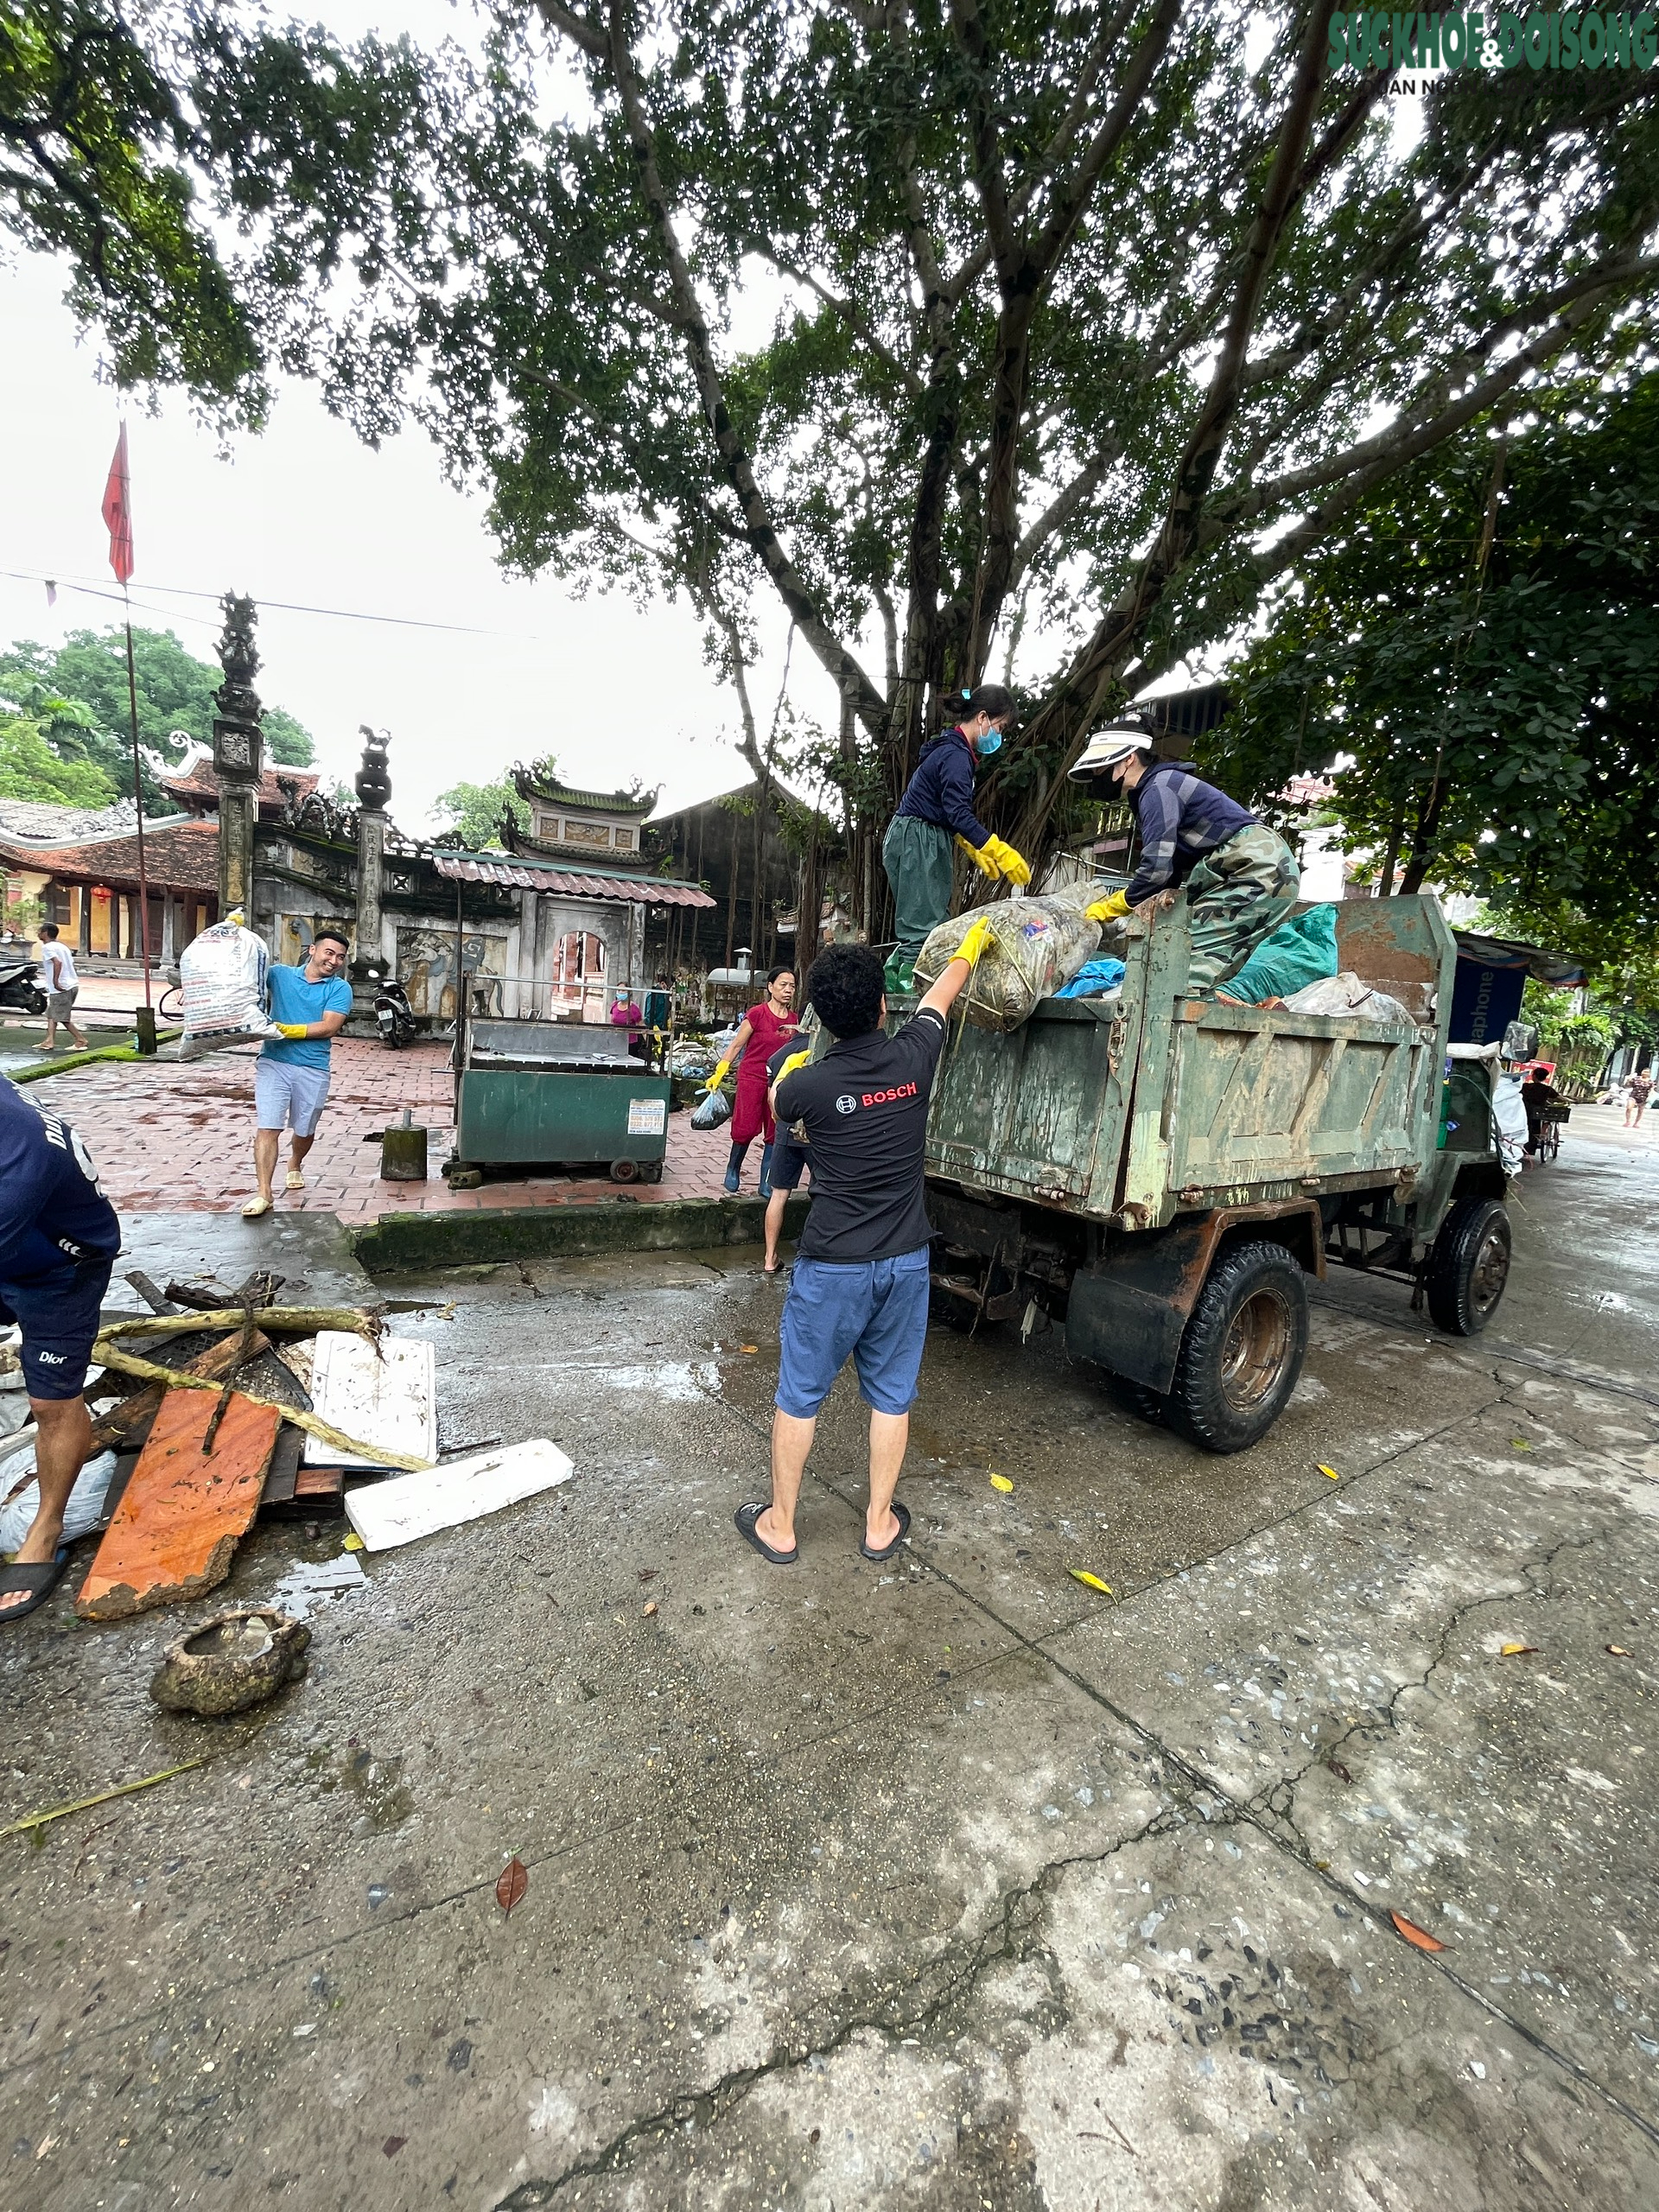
{"x": 765, "y": 1029}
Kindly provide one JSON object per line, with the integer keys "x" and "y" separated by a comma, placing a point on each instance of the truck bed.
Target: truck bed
{"x": 1134, "y": 1109}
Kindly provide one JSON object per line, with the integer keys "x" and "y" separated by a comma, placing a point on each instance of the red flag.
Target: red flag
{"x": 117, "y": 510}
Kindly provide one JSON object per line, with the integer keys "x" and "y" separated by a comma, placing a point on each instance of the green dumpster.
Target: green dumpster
{"x": 546, "y": 1093}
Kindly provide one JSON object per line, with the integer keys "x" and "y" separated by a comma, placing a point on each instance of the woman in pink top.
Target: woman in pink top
{"x": 765, "y": 1029}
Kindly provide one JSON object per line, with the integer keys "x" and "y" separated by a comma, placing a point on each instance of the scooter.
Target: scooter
{"x": 19, "y": 985}
{"x": 394, "y": 1013}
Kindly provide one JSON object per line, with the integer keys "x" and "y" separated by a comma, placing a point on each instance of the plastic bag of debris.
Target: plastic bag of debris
{"x": 1347, "y": 994}
{"x": 20, "y": 1498}
{"x": 1037, "y": 944}
{"x": 713, "y": 1108}
{"x": 223, "y": 975}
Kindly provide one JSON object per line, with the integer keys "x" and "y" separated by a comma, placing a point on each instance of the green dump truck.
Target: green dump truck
{"x": 1163, "y": 1173}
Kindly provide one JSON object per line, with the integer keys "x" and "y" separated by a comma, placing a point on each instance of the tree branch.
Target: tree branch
{"x": 842, "y": 666}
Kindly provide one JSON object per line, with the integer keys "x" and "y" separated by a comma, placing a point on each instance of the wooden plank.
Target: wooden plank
{"x": 174, "y": 1532}
{"x": 408, "y": 1506}
{"x": 385, "y": 1394}
{"x": 284, "y": 1466}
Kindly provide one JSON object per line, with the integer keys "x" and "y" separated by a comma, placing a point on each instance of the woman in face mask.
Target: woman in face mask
{"x": 937, "y": 809}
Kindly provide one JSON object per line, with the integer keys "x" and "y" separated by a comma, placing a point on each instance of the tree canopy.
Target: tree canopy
{"x": 1086, "y": 329}
{"x": 1476, "y": 656}
{"x": 31, "y": 767}
{"x": 471, "y": 813}
{"x": 76, "y": 694}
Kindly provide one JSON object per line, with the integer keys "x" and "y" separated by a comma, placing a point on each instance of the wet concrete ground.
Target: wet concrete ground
{"x": 947, "y": 1883}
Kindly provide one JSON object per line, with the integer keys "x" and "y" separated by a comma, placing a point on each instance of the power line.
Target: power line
{"x": 282, "y": 606}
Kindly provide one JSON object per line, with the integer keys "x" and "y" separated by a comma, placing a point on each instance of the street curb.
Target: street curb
{"x": 100, "y": 1055}
{"x": 401, "y": 1243}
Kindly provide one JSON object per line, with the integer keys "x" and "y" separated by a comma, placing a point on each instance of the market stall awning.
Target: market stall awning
{"x": 529, "y": 876}
{"x": 1497, "y": 952}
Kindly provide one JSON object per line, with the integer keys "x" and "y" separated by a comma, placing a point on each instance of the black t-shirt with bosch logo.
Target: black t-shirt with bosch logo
{"x": 865, "y": 1107}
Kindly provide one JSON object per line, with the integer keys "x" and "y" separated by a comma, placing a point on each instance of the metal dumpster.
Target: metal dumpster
{"x": 546, "y": 1093}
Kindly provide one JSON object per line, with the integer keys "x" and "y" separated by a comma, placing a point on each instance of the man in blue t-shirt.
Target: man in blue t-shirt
{"x": 290, "y": 1085}
{"x": 59, "y": 1238}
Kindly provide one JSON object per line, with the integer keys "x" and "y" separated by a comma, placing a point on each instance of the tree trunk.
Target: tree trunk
{"x": 806, "y": 909}
{"x": 1397, "y": 830}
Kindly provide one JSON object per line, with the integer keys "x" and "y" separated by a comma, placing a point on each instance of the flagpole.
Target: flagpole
{"x": 138, "y": 801}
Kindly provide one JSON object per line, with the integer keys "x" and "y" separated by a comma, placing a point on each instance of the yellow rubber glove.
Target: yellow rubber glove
{"x": 293, "y": 1028}
{"x": 718, "y": 1077}
{"x": 981, "y": 857}
{"x": 974, "y": 944}
{"x": 795, "y": 1060}
{"x": 1009, "y": 861}
{"x": 1107, "y": 909}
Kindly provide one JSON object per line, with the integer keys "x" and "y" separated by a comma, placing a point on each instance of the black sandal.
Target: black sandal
{"x": 901, "y": 1514}
{"x": 39, "y": 1577}
{"x": 745, "y": 1517}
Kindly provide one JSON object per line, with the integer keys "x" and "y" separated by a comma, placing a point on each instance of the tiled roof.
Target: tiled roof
{"x": 202, "y": 782}
{"x": 48, "y": 823}
{"x": 182, "y": 855}
{"x": 527, "y": 876}
{"x": 529, "y": 785}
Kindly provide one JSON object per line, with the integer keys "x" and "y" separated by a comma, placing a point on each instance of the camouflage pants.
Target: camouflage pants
{"x": 1236, "y": 896}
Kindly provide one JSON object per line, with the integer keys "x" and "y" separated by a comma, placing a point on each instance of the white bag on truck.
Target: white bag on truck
{"x": 1036, "y": 946}
{"x": 223, "y": 974}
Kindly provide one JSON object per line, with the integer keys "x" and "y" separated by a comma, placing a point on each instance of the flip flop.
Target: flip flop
{"x": 745, "y": 1517}
{"x": 254, "y": 1208}
{"x": 901, "y": 1514}
{"x": 294, "y": 1182}
{"x": 40, "y": 1578}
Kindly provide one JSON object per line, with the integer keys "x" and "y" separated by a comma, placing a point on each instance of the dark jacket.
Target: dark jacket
{"x": 942, "y": 789}
{"x": 1181, "y": 819}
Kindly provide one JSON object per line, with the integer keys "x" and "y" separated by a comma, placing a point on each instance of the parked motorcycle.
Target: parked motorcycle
{"x": 19, "y": 985}
{"x": 394, "y": 1013}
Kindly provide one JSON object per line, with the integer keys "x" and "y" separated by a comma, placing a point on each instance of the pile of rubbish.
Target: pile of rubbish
{"x": 1037, "y": 946}
{"x": 219, "y": 1407}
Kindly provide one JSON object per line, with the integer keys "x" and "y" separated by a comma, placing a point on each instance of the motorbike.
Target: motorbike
{"x": 19, "y": 985}
{"x": 394, "y": 1013}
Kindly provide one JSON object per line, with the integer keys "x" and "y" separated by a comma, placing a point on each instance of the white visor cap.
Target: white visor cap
{"x": 1106, "y": 748}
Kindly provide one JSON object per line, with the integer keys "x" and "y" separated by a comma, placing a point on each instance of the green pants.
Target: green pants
{"x": 1236, "y": 896}
{"x": 919, "y": 857}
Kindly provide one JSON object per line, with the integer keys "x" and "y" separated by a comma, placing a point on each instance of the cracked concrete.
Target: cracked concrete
{"x": 946, "y": 1884}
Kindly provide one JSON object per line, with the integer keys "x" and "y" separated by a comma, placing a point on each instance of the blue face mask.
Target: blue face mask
{"x": 991, "y": 742}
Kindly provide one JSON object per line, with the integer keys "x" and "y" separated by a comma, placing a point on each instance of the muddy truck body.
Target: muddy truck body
{"x": 1161, "y": 1174}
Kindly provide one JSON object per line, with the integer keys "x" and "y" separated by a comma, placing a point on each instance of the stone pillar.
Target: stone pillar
{"x": 238, "y": 757}
{"x": 373, "y": 787}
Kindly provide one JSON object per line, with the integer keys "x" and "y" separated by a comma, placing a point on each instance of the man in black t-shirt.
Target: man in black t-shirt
{"x": 860, "y": 1286}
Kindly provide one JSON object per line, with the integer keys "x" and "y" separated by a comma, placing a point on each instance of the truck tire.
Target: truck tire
{"x": 1243, "y": 1349}
{"x": 1468, "y": 1267}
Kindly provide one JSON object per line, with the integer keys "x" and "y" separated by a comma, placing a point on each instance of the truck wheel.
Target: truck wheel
{"x": 1468, "y": 1267}
{"x": 624, "y": 1171}
{"x": 1242, "y": 1350}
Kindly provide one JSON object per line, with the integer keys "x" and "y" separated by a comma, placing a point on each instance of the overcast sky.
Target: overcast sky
{"x": 305, "y": 513}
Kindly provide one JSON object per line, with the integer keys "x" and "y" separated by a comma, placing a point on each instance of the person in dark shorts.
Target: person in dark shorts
{"x": 59, "y": 1238}
{"x": 859, "y": 1289}
{"x": 790, "y": 1162}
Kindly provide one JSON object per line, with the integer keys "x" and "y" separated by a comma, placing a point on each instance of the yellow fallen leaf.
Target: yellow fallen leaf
{"x": 1618, "y": 1651}
{"x": 1516, "y": 1651}
{"x": 1090, "y": 1581}
{"x": 1521, "y": 1444}
{"x": 1332, "y": 1472}
{"x": 1000, "y": 1482}
{"x": 748, "y": 1347}
{"x": 353, "y": 1543}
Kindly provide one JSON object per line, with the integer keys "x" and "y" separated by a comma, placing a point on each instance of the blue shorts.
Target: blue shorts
{"x": 59, "y": 1314}
{"x": 790, "y": 1162}
{"x": 874, "y": 1309}
{"x": 284, "y": 1092}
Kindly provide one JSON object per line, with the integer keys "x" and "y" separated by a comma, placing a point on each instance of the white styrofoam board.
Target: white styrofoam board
{"x": 384, "y": 1394}
{"x": 408, "y": 1506}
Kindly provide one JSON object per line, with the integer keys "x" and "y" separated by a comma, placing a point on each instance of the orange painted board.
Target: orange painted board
{"x": 174, "y": 1532}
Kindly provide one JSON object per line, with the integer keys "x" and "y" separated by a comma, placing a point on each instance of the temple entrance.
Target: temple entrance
{"x": 577, "y": 979}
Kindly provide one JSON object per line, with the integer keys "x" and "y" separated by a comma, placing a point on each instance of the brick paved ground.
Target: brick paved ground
{"x": 170, "y": 1135}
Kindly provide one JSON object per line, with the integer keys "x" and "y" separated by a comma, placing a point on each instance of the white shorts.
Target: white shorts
{"x": 285, "y": 1093}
